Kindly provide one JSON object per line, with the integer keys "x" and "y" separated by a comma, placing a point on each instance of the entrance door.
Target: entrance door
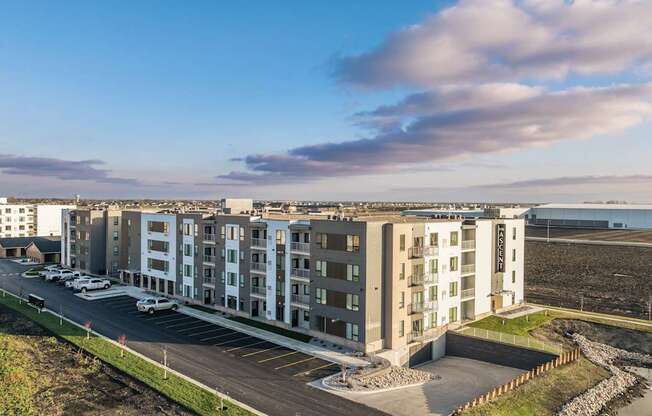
{"x": 254, "y": 308}
{"x": 295, "y": 317}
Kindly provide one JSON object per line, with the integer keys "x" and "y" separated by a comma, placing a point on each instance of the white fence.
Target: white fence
{"x": 517, "y": 340}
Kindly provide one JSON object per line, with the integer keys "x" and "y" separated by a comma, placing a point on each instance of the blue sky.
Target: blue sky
{"x": 166, "y": 95}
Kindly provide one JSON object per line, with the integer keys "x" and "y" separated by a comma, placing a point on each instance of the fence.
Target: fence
{"x": 518, "y": 340}
{"x": 565, "y": 358}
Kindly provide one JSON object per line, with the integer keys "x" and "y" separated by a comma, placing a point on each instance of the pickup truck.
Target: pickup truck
{"x": 60, "y": 274}
{"x": 151, "y": 305}
{"x": 90, "y": 283}
{"x": 50, "y": 269}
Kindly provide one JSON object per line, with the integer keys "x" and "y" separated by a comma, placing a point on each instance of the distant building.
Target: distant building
{"x": 444, "y": 213}
{"x": 28, "y": 220}
{"x": 18, "y": 247}
{"x": 44, "y": 250}
{"x": 591, "y": 215}
{"x": 237, "y": 205}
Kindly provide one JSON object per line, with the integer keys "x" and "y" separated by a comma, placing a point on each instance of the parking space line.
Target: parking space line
{"x": 218, "y": 336}
{"x": 258, "y": 352}
{"x": 296, "y": 362}
{"x": 155, "y": 317}
{"x": 175, "y": 319}
{"x": 181, "y": 324}
{"x": 208, "y": 331}
{"x": 196, "y": 327}
{"x": 232, "y": 340}
{"x": 246, "y": 346}
{"x": 314, "y": 369}
{"x": 278, "y": 356}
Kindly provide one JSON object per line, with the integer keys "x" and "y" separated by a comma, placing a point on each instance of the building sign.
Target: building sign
{"x": 500, "y": 248}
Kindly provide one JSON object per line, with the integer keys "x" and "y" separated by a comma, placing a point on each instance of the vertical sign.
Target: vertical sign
{"x": 500, "y": 248}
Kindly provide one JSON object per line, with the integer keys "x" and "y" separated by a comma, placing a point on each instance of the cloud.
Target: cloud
{"x": 435, "y": 134}
{"x": 492, "y": 40}
{"x": 67, "y": 170}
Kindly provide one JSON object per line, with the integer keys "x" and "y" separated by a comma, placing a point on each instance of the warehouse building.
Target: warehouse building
{"x": 591, "y": 216}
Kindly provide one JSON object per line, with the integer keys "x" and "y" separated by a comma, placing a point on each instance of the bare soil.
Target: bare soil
{"x": 72, "y": 383}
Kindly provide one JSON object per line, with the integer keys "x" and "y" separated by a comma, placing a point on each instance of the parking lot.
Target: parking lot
{"x": 257, "y": 351}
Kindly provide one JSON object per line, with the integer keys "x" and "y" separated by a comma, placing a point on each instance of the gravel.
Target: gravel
{"x": 390, "y": 377}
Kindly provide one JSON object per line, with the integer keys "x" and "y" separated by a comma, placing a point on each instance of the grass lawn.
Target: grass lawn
{"x": 629, "y": 323}
{"x": 272, "y": 328}
{"x": 517, "y": 326}
{"x": 544, "y": 395}
{"x": 201, "y": 401}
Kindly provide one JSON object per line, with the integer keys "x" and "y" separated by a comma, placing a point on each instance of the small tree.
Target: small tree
{"x": 87, "y": 326}
{"x": 122, "y": 340}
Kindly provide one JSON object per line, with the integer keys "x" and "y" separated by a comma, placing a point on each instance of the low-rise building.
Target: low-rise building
{"x": 29, "y": 220}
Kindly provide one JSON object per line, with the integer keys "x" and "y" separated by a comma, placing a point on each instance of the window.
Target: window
{"x": 401, "y": 273}
{"x": 353, "y": 272}
{"x": 306, "y": 316}
{"x": 452, "y": 314}
{"x": 433, "y": 266}
{"x": 320, "y": 268}
{"x": 115, "y": 250}
{"x": 453, "y": 264}
{"x": 452, "y": 289}
{"x": 116, "y": 220}
{"x": 513, "y": 254}
{"x": 221, "y": 277}
{"x": 352, "y": 302}
{"x": 432, "y": 292}
{"x": 115, "y": 236}
{"x": 401, "y": 300}
{"x": 232, "y": 256}
{"x": 352, "y": 243}
{"x": 513, "y": 276}
{"x": 352, "y": 332}
{"x": 153, "y": 226}
{"x": 433, "y": 319}
{"x": 454, "y": 238}
{"x": 320, "y": 296}
{"x": 222, "y": 232}
{"x": 159, "y": 265}
{"x": 401, "y": 242}
{"x": 242, "y": 280}
{"x": 280, "y": 237}
{"x": 187, "y": 270}
{"x": 187, "y": 228}
{"x": 231, "y": 278}
{"x": 514, "y": 233}
{"x": 434, "y": 239}
{"x": 232, "y": 232}
{"x": 401, "y": 328}
{"x": 322, "y": 240}
{"x": 187, "y": 249}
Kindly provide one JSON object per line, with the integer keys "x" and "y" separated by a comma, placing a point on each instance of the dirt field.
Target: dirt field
{"x": 610, "y": 279}
{"x": 634, "y": 236}
{"x": 57, "y": 380}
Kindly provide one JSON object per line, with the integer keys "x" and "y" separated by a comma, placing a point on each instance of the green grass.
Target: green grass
{"x": 517, "y": 326}
{"x": 271, "y": 328}
{"x": 544, "y": 395}
{"x": 193, "y": 397}
{"x": 599, "y": 318}
{"x": 17, "y": 381}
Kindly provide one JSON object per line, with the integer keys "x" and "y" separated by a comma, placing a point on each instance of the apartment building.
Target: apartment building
{"x": 83, "y": 240}
{"x": 21, "y": 220}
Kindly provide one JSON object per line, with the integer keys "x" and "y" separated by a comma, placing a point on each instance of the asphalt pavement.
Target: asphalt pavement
{"x": 271, "y": 378}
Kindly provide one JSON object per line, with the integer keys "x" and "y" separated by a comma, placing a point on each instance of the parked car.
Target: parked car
{"x": 51, "y": 269}
{"x": 151, "y": 305}
{"x": 54, "y": 276}
{"x": 65, "y": 279}
{"x": 90, "y": 283}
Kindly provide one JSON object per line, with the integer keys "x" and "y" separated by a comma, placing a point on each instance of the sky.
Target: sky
{"x": 472, "y": 100}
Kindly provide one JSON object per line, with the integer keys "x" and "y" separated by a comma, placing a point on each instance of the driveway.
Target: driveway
{"x": 462, "y": 379}
{"x": 272, "y": 380}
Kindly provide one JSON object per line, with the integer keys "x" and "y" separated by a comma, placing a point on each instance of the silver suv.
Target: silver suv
{"x": 151, "y": 305}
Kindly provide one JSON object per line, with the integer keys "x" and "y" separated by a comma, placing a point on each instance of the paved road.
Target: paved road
{"x": 271, "y": 381}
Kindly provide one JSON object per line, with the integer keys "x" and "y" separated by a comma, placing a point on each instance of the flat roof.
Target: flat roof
{"x": 597, "y": 206}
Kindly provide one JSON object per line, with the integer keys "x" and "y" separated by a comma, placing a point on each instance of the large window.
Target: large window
{"x": 453, "y": 264}
{"x": 321, "y": 268}
{"x": 187, "y": 270}
{"x": 454, "y": 238}
{"x": 187, "y": 250}
{"x": 452, "y": 289}
{"x": 280, "y": 237}
{"x": 352, "y": 302}
{"x": 320, "y": 296}
{"x": 452, "y": 314}
{"x": 353, "y": 243}
{"x": 433, "y": 266}
{"x": 231, "y": 279}
{"x": 158, "y": 226}
{"x": 232, "y": 256}
{"x": 434, "y": 239}
{"x": 322, "y": 240}
{"x": 353, "y": 272}
{"x": 160, "y": 265}
{"x": 352, "y": 332}
{"x": 401, "y": 242}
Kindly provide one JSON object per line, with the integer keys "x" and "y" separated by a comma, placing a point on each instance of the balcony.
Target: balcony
{"x": 258, "y": 267}
{"x": 468, "y": 245}
{"x": 209, "y": 280}
{"x": 300, "y": 247}
{"x": 415, "y": 252}
{"x": 467, "y": 293}
{"x": 259, "y": 290}
{"x": 428, "y": 334}
{"x": 468, "y": 268}
{"x": 258, "y": 243}
{"x": 415, "y": 308}
{"x": 302, "y": 273}
{"x": 431, "y": 251}
{"x": 430, "y": 306}
{"x": 209, "y": 259}
{"x": 210, "y": 237}
{"x": 415, "y": 280}
{"x": 302, "y": 299}
{"x": 431, "y": 278}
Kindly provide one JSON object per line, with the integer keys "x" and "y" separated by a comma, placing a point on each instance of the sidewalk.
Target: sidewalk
{"x": 306, "y": 348}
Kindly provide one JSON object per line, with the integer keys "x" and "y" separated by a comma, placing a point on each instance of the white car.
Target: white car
{"x": 90, "y": 283}
{"x": 151, "y": 305}
{"x": 51, "y": 269}
{"x": 64, "y": 273}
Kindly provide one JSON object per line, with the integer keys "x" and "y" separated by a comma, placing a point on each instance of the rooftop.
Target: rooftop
{"x": 598, "y": 206}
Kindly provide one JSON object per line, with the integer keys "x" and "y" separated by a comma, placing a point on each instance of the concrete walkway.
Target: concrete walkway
{"x": 307, "y": 348}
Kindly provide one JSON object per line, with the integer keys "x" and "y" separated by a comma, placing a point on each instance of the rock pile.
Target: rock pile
{"x": 390, "y": 377}
{"x": 593, "y": 400}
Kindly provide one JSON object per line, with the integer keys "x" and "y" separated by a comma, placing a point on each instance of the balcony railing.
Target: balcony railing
{"x": 305, "y": 273}
{"x": 467, "y": 293}
{"x": 430, "y": 278}
{"x": 300, "y": 247}
{"x": 209, "y": 237}
{"x": 259, "y": 242}
{"x": 468, "y": 268}
{"x": 430, "y": 306}
{"x": 431, "y": 251}
{"x": 415, "y": 280}
{"x": 209, "y": 280}
{"x": 258, "y": 267}
{"x": 209, "y": 259}
{"x": 259, "y": 290}
{"x": 468, "y": 245}
{"x": 431, "y": 333}
{"x": 415, "y": 252}
{"x": 303, "y": 299}
{"x": 414, "y": 308}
